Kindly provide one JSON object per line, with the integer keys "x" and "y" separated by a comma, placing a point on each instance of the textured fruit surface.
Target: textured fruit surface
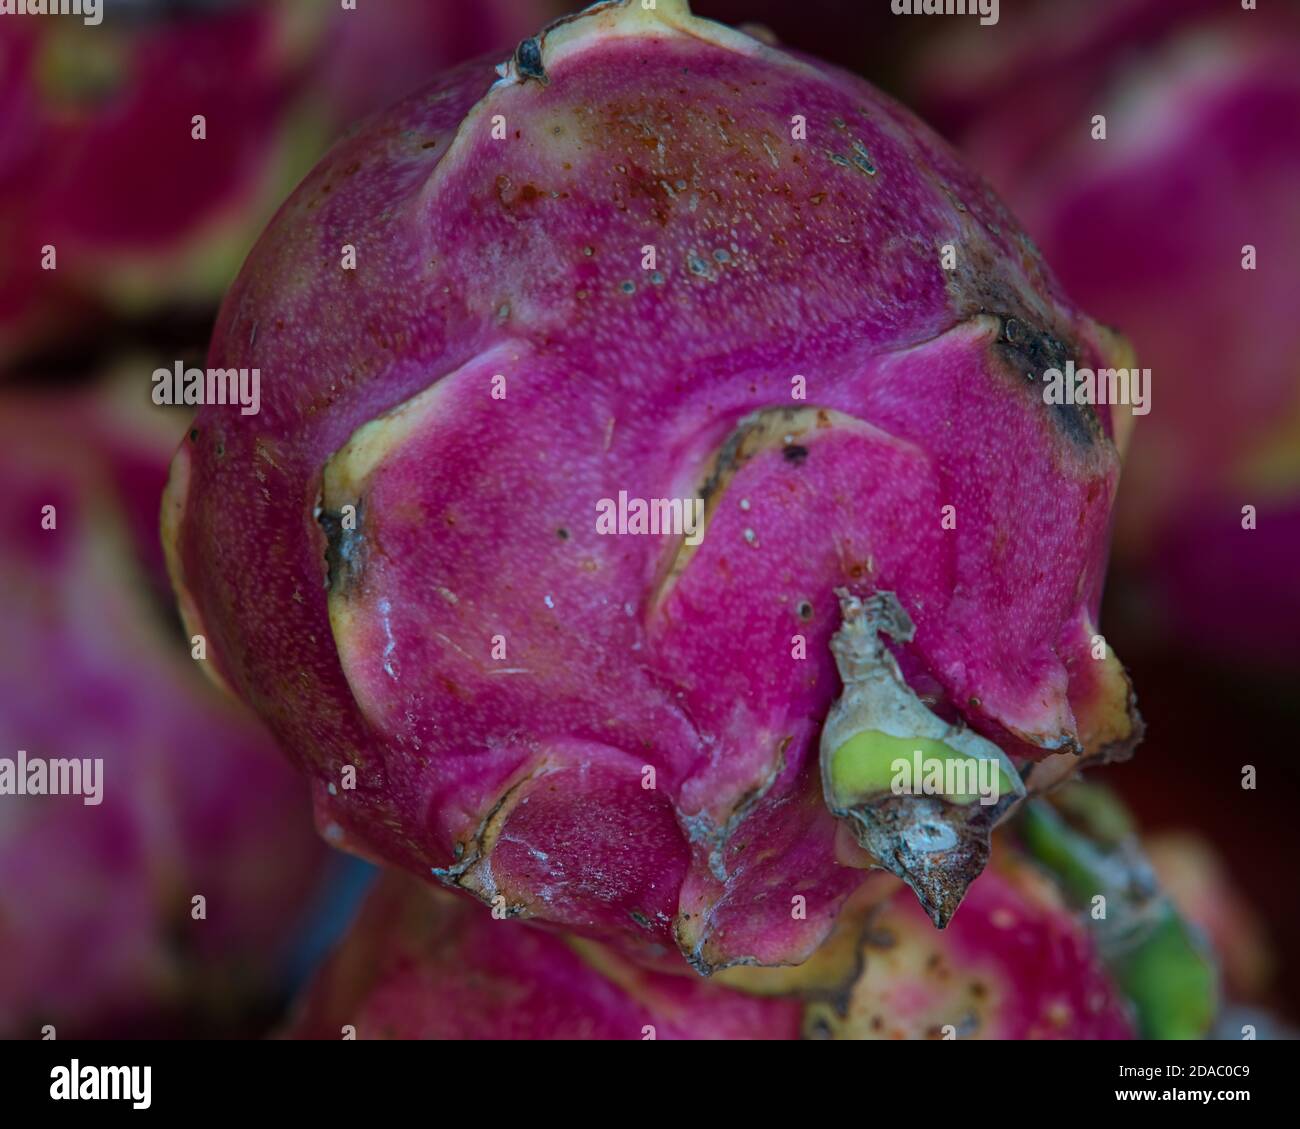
{"x": 397, "y": 561}
{"x": 1015, "y": 963}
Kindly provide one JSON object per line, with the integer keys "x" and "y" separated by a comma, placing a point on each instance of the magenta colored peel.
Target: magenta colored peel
{"x": 501, "y": 676}
{"x": 419, "y": 964}
{"x": 1014, "y": 964}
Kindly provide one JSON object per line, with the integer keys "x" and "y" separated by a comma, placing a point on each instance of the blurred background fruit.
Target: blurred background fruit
{"x": 96, "y": 929}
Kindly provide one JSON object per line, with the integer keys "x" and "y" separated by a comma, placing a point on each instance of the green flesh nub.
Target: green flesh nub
{"x": 865, "y": 765}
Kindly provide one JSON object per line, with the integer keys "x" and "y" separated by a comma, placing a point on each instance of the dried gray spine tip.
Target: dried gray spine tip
{"x": 937, "y": 847}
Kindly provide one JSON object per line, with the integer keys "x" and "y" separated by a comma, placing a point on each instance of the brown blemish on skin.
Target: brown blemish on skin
{"x": 1030, "y": 340}
{"x": 345, "y": 551}
{"x": 528, "y": 194}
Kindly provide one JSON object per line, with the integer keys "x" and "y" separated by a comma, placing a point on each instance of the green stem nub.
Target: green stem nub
{"x": 922, "y": 796}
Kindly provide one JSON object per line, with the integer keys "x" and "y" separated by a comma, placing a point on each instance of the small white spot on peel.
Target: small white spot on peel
{"x": 549, "y": 602}
{"x": 448, "y": 595}
{"x": 385, "y": 610}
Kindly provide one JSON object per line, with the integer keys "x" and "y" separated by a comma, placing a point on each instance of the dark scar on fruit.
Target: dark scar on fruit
{"x": 1025, "y": 347}
{"x": 1030, "y": 352}
{"x": 528, "y": 61}
{"x": 344, "y": 552}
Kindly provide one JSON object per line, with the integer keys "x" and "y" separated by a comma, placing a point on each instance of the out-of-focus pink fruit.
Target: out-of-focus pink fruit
{"x": 419, "y": 964}
{"x": 1192, "y": 874}
{"x": 99, "y": 158}
{"x": 1150, "y": 230}
{"x": 374, "y": 54}
{"x": 1016, "y": 963}
{"x": 656, "y": 259}
{"x": 96, "y": 920}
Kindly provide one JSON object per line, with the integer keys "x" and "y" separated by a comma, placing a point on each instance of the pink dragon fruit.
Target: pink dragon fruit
{"x": 654, "y": 260}
{"x": 1181, "y": 226}
{"x": 97, "y": 133}
{"x": 1197, "y": 882}
{"x": 419, "y": 964}
{"x": 97, "y": 926}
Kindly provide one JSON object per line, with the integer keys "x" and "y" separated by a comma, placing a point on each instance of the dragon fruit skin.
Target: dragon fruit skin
{"x": 95, "y": 911}
{"x": 524, "y": 778}
{"x": 1147, "y": 229}
{"x": 1014, "y": 964}
{"x": 420, "y": 964}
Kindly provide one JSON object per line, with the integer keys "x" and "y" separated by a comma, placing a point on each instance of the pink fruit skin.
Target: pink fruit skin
{"x": 1191, "y": 870}
{"x": 521, "y": 258}
{"x": 420, "y": 964}
{"x": 1014, "y": 964}
{"x": 95, "y": 922}
{"x": 1147, "y": 231}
